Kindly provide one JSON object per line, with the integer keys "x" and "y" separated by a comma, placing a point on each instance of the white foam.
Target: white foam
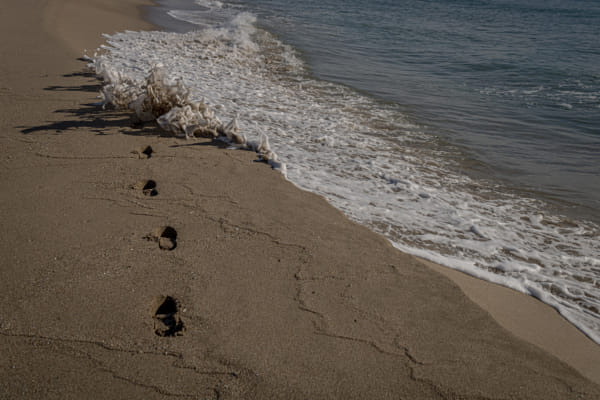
{"x": 371, "y": 163}
{"x": 210, "y": 4}
{"x": 167, "y": 100}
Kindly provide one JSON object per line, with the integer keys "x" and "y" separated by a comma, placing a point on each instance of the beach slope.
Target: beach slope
{"x": 135, "y": 265}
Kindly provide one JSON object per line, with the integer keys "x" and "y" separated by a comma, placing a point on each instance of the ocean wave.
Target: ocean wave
{"x": 167, "y": 101}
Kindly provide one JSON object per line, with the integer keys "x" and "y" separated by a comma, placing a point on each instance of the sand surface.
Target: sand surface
{"x": 267, "y": 291}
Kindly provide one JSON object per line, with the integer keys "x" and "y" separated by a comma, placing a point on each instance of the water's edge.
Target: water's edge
{"x": 442, "y": 214}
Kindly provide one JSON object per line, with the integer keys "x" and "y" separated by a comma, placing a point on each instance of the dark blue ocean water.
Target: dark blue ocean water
{"x": 515, "y": 83}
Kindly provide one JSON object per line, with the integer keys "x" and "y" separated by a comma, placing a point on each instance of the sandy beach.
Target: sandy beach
{"x": 138, "y": 266}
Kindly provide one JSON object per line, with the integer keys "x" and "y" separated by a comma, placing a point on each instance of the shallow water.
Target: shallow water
{"x": 516, "y": 83}
{"x": 435, "y": 164}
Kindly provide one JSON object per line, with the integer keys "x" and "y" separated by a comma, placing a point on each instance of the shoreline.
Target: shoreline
{"x": 249, "y": 273}
{"x": 550, "y": 332}
{"x": 531, "y": 320}
{"x": 397, "y": 201}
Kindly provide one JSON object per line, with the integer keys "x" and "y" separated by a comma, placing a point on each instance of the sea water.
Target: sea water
{"x": 467, "y": 132}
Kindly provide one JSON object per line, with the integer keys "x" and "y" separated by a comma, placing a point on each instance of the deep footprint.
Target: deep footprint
{"x": 166, "y": 237}
{"x": 148, "y": 187}
{"x": 167, "y": 319}
{"x": 143, "y": 152}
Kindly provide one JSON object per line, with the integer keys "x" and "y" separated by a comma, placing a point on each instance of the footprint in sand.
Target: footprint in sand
{"x": 166, "y": 237}
{"x": 166, "y": 315}
{"x": 143, "y": 152}
{"x": 148, "y": 187}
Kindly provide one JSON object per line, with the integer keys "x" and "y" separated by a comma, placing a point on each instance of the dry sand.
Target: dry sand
{"x": 269, "y": 292}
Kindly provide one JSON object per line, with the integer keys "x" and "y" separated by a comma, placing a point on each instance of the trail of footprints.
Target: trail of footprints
{"x": 165, "y": 310}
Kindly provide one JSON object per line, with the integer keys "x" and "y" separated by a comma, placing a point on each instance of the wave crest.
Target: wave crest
{"x": 167, "y": 101}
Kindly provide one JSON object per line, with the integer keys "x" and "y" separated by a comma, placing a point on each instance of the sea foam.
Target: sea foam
{"x": 366, "y": 157}
{"x": 167, "y": 101}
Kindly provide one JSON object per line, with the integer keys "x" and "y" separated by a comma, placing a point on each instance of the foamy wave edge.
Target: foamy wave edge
{"x": 166, "y": 100}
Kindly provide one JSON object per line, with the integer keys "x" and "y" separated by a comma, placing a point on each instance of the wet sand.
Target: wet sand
{"x": 190, "y": 270}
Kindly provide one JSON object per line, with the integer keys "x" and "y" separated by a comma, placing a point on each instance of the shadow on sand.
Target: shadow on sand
{"x": 92, "y": 116}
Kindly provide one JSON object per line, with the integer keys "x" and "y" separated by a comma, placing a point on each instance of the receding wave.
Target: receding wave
{"x": 368, "y": 160}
